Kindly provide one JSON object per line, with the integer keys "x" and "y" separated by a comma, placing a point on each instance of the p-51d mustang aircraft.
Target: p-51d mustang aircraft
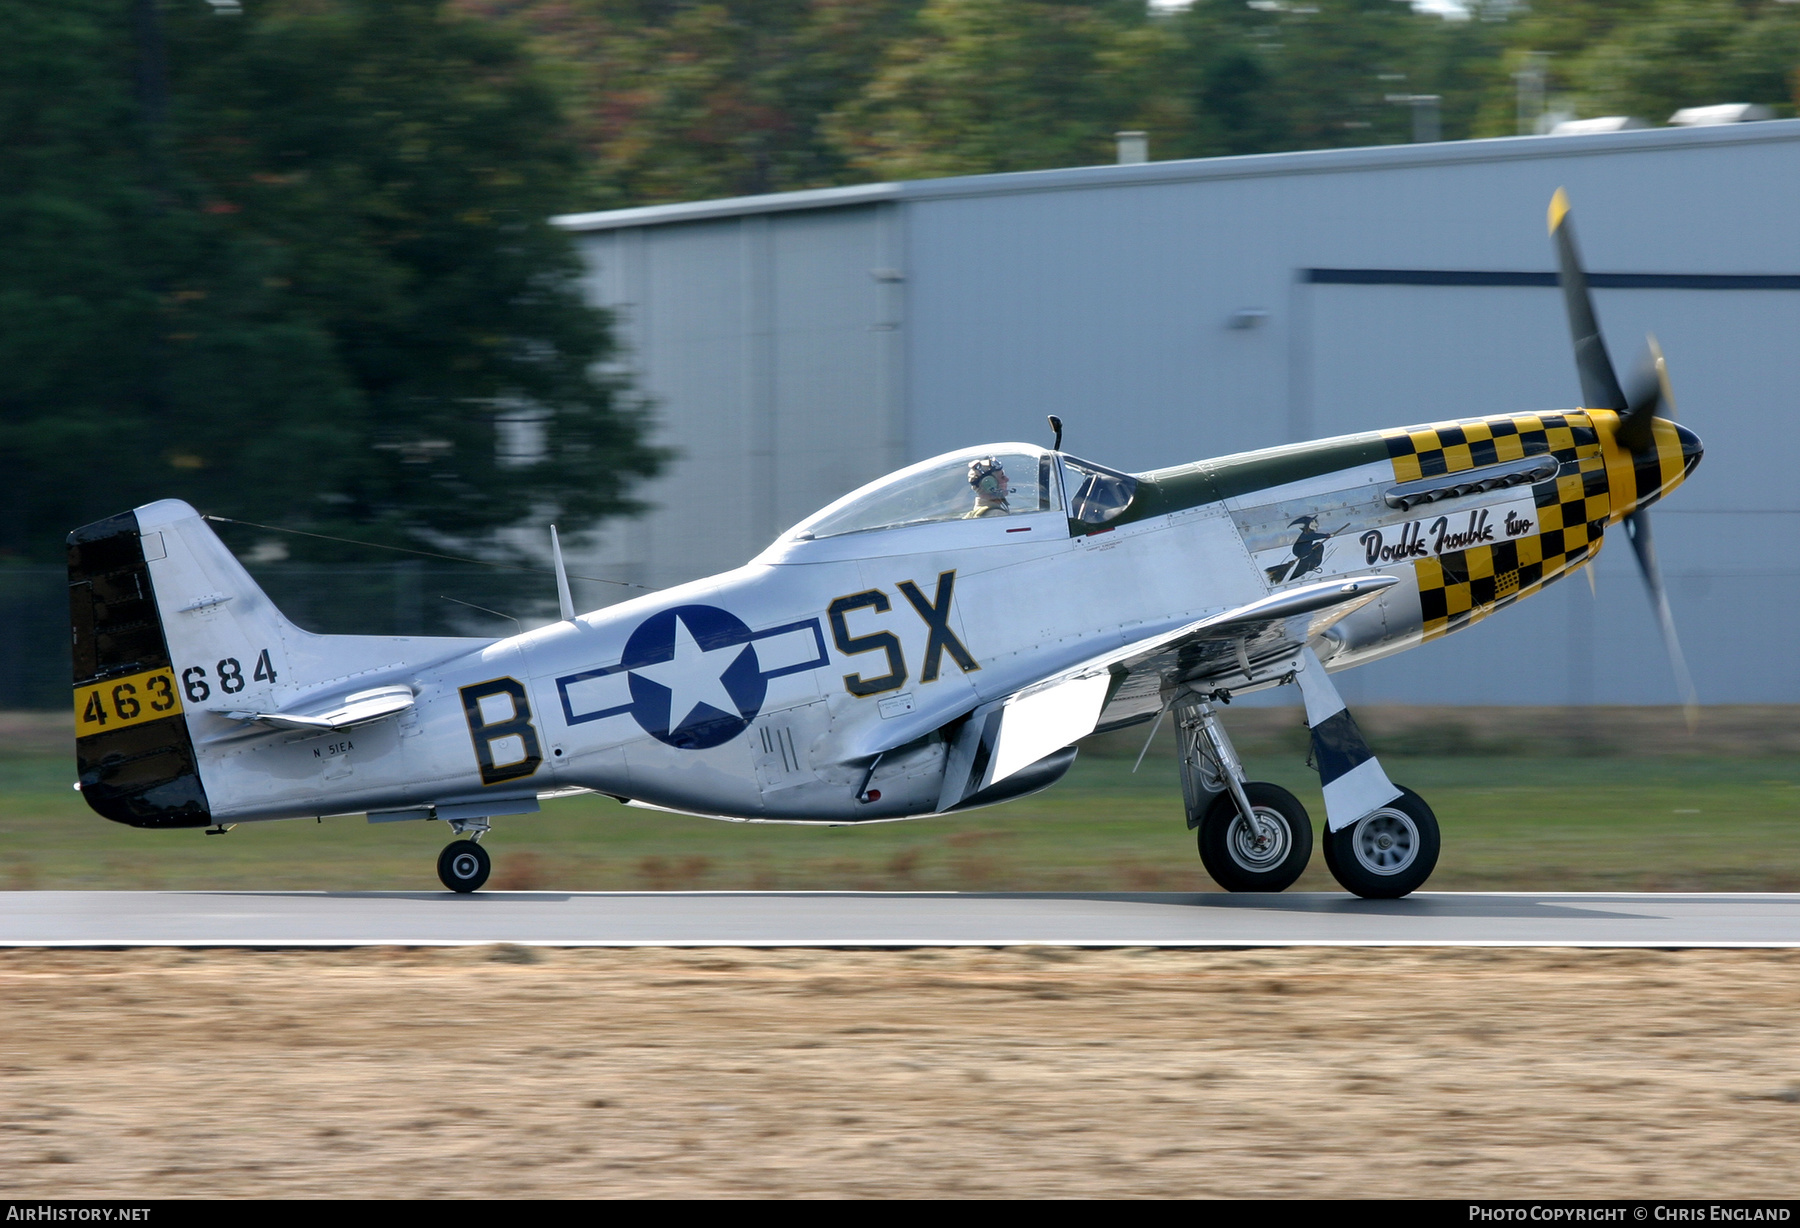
{"x": 935, "y": 641}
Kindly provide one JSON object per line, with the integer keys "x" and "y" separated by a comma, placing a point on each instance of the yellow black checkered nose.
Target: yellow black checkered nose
{"x": 1569, "y": 513}
{"x": 1638, "y": 479}
{"x": 1691, "y": 449}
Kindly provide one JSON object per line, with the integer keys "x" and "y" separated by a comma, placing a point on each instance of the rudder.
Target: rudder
{"x": 133, "y": 750}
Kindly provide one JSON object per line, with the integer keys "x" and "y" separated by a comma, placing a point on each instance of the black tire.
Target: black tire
{"x": 463, "y": 866}
{"x": 1234, "y": 862}
{"x": 1388, "y": 854}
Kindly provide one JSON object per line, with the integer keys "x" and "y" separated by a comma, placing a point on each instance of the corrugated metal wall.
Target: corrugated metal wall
{"x": 789, "y": 366}
{"x": 770, "y": 348}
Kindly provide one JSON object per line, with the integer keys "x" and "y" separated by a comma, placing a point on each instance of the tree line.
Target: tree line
{"x": 290, "y": 260}
{"x": 692, "y": 99}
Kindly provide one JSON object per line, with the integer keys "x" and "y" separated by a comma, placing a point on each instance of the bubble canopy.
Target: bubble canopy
{"x": 1007, "y": 479}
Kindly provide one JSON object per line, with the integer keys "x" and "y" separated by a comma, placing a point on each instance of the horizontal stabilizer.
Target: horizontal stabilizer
{"x": 362, "y": 708}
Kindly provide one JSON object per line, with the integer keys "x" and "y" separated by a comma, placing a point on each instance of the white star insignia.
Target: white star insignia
{"x": 692, "y": 679}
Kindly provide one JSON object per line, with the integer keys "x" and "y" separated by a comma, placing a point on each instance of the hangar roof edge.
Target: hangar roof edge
{"x": 1304, "y": 162}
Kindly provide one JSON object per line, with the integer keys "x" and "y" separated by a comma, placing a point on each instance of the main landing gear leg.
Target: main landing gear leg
{"x": 464, "y": 865}
{"x": 1254, "y": 836}
{"x": 1381, "y": 841}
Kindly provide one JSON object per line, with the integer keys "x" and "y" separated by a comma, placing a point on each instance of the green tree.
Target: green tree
{"x": 1227, "y": 68}
{"x": 1279, "y": 76}
{"x": 1007, "y": 85}
{"x": 694, "y": 99}
{"x": 995, "y": 85}
{"x": 1339, "y": 60}
{"x": 310, "y": 291}
{"x": 1649, "y": 58}
{"x": 1693, "y": 53}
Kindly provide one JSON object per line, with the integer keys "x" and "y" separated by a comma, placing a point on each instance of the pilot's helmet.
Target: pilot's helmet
{"x": 985, "y": 475}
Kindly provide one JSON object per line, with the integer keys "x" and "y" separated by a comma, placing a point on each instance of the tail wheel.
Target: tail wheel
{"x": 464, "y": 865}
{"x": 1386, "y": 854}
{"x": 1268, "y": 857}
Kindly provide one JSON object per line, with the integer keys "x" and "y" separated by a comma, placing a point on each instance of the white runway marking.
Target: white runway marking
{"x": 891, "y": 919}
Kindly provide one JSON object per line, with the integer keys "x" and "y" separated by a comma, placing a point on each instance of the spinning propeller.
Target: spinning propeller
{"x": 1648, "y": 398}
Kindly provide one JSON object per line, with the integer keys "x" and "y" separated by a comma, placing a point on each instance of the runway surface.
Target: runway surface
{"x": 891, "y": 919}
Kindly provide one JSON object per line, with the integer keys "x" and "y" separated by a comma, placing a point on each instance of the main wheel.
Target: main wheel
{"x": 1268, "y": 858}
{"x": 464, "y": 866}
{"x": 1387, "y": 854}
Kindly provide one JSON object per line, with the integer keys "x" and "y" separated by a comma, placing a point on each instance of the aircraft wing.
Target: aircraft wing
{"x": 1126, "y": 684}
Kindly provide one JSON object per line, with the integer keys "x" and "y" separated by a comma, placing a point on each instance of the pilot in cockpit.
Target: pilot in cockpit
{"x": 989, "y": 481}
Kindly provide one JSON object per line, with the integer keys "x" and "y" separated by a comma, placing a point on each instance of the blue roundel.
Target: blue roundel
{"x": 697, "y": 658}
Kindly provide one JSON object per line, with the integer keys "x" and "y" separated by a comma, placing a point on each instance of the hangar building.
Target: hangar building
{"x": 799, "y": 344}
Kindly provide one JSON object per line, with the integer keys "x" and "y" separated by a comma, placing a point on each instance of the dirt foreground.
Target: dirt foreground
{"x": 513, "y": 1072}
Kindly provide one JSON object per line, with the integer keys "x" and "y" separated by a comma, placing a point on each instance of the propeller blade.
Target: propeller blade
{"x": 1599, "y": 385}
{"x": 1637, "y": 528}
{"x": 1650, "y": 397}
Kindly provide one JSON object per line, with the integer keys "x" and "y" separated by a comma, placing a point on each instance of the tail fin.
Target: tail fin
{"x": 170, "y": 636}
{"x": 132, "y": 745}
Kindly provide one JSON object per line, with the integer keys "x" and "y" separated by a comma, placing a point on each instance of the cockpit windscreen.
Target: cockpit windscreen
{"x": 1100, "y": 494}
